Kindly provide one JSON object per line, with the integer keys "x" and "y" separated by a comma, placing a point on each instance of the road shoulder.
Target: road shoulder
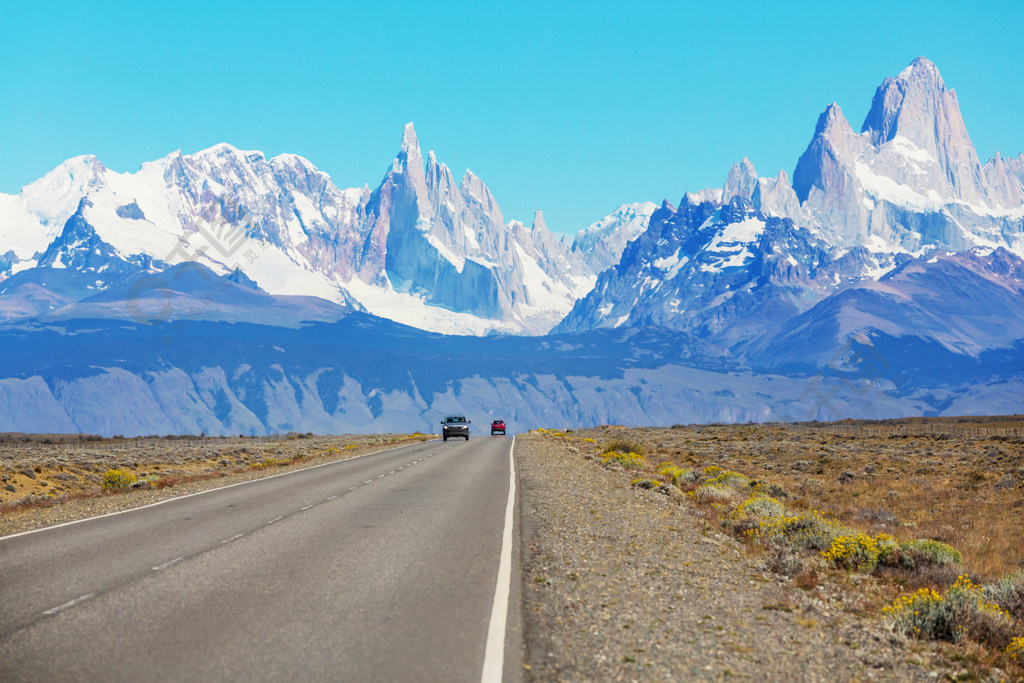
{"x": 622, "y": 583}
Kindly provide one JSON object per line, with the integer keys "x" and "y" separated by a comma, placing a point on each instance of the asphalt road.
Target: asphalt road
{"x": 378, "y": 568}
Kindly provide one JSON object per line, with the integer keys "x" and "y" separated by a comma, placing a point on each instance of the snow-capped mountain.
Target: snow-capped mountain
{"x": 601, "y": 244}
{"x": 724, "y": 272}
{"x": 736, "y": 264}
{"x": 910, "y": 180}
{"x": 421, "y": 248}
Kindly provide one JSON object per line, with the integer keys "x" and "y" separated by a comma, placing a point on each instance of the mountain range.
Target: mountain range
{"x": 256, "y": 296}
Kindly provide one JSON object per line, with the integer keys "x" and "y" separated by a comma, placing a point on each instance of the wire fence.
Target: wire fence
{"x": 913, "y": 429}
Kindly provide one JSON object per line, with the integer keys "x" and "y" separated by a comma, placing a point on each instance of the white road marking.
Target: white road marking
{"x": 307, "y": 507}
{"x": 494, "y": 653}
{"x": 67, "y": 605}
{"x": 165, "y": 565}
{"x": 334, "y": 496}
{"x": 368, "y": 482}
{"x": 276, "y": 519}
{"x": 233, "y": 538}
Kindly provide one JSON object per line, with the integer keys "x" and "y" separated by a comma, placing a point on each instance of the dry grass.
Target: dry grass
{"x": 44, "y": 470}
{"x": 957, "y": 481}
{"x": 964, "y": 490}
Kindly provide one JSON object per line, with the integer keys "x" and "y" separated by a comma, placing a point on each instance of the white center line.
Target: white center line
{"x": 334, "y": 496}
{"x": 233, "y": 538}
{"x": 67, "y": 605}
{"x": 370, "y": 481}
{"x": 165, "y": 565}
{"x": 307, "y": 507}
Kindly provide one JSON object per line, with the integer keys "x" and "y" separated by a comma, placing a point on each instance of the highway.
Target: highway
{"x": 378, "y": 568}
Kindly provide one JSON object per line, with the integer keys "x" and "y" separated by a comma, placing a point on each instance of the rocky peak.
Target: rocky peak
{"x": 917, "y": 107}
{"x": 477, "y": 192}
{"x": 741, "y": 181}
{"x": 538, "y": 221}
{"x": 409, "y": 161}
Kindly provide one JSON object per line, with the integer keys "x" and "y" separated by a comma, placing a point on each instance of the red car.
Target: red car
{"x": 498, "y": 427}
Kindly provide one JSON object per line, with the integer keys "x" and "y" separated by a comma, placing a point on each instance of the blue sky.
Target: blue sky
{"x": 572, "y": 108}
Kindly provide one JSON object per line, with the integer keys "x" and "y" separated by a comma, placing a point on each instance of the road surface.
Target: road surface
{"x": 377, "y": 568}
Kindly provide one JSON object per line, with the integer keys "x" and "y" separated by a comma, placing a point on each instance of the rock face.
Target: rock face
{"x": 917, "y": 107}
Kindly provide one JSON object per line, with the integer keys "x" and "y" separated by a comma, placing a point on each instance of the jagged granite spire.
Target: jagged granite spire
{"x": 917, "y": 106}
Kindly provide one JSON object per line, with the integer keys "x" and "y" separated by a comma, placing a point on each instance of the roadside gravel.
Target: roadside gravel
{"x": 626, "y": 584}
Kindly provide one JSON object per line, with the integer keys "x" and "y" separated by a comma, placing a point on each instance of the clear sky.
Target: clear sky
{"x": 570, "y": 107}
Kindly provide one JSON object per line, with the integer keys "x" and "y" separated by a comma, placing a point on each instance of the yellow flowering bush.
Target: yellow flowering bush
{"x": 630, "y": 461}
{"x": 676, "y": 475}
{"x": 804, "y": 529}
{"x": 645, "y": 483}
{"x": 114, "y": 480}
{"x": 271, "y": 462}
{"x": 858, "y": 552}
{"x": 962, "y": 610}
{"x": 1015, "y": 647}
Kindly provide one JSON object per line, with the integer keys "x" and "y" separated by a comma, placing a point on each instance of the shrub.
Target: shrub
{"x": 115, "y": 480}
{"x": 924, "y": 552}
{"x": 715, "y": 494}
{"x": 731, "y": 479}
{"x": 623, "y": 446}
{"x": 645, "y": 483}
{"x": 767, "y": 489}
{"x": 859, "y": 552}
{"x": 271, "y": 462}
{"x": 712, "y": 471}
{"x": 677, "y": 475}
{"x": 784, "y": 560}
{"x": 629, "y": 460}
{"x": 1009, "y": 594}
{"x": 961, "y": 611}
{"x": 807, "y": 529}
{"x": 760, "y": 506}
{"x": 1015, "y": 647}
